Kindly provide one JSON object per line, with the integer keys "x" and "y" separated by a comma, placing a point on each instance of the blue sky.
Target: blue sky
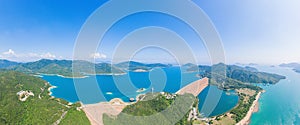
{"x": 252, "y": 31}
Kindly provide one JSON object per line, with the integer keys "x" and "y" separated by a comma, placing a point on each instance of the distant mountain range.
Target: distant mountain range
{"x": 294, "y": 66}
{"x": 134, "y": 66}
{"x": 222, "y": 75}
{"x": 64, "y": 67}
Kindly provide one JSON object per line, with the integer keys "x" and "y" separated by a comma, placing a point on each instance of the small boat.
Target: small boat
{"x": 141, "y": 90}
{"x": 131, "y": 99}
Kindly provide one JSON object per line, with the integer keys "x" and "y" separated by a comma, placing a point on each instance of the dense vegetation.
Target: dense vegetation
{"x": 243, "y": 107}
{"x": 34, "y": 110}
{"x": 158, "y": 110}
{"x": 145, "y": 108}
{"x": 235, "y": 77}
{"x": 75, "y": 117}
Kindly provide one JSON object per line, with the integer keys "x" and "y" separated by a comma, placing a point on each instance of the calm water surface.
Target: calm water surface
{"x": 280, "y": 104}
{"x": 125, "y": 86}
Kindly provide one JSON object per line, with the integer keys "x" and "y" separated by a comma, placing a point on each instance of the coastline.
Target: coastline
{"x": 41, "y": 74}
{"x": 50, "y": 88}
{"x": 106, "y": 74}
{"x": 254, "y": 108}
{"x": 80, "y": 77}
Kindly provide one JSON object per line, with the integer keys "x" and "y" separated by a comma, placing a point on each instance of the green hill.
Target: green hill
{"x": 37, "y": 109}
{"x": 132, "y": 65}
{"x": 6, "y": 63}
{"x": 157, "y": 110}
{"x": 64, "y": 68}
{"x": 232, "y": 76}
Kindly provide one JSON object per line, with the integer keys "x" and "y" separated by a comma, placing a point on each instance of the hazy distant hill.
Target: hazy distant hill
{"x": 232, "y": 76}
{"x": 291, "y": 65}
{"x": 6, "y": 63}
{"x": 187, "y": 66}
{"x": 132, "y": 66}
{"x": 295, "y": 66}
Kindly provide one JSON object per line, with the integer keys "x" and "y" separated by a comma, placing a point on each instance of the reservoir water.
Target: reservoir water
{"x": 125, "y": 86}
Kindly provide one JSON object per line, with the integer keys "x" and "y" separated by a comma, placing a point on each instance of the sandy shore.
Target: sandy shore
{"x": 81, "y": 77}
{"x": 106, "y": 74}
{"x": 41, "y": 74}
{"x": 50, "y": 88}
{"x": 254, "y": 108}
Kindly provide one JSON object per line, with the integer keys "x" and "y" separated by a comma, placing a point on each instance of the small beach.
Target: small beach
{"x": 50, "y": 88}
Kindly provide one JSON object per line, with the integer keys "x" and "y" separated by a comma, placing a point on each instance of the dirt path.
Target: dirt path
{"x": 42, "y": 90}
{"x": 61, "y": 118}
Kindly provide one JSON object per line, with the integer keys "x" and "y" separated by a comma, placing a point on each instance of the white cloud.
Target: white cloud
{"x": 33, "y": 55}
{"x": 98, "y": 56}
{"x": 48, "y": 56}
{"x": 26, "y": 57}
{"x": 10, "y": 52}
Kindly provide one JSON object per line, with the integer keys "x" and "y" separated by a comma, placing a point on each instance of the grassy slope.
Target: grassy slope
{"x": 145, "y": 108}
{"x": 75, "y": 117}
{"x": 156, "y": 111}
{"x": 34, "y": 110}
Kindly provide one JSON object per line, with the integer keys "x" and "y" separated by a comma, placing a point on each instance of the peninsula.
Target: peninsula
{"x": 96, "y": 112}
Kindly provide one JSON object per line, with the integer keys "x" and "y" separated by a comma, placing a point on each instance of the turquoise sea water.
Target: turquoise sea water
{"x": 280, "y": 104}
{"x": 168, "y": 80}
